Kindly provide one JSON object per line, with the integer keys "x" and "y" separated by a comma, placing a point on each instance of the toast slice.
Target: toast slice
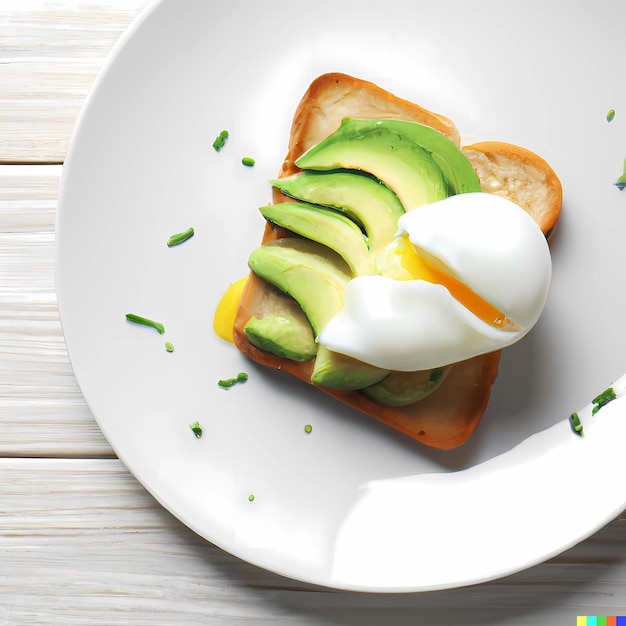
{"x": 446, "y": 417}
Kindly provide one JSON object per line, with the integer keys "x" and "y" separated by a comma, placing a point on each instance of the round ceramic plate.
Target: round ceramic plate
{"x": 352, "y": 504}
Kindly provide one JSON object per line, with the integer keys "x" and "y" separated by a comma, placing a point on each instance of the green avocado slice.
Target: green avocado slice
{"x": 360, "y": 196}
{"x": 418, "y": 163}
{"x": 307, "y": 271}
{"x": 327, "y": 227}
{"x": 283, "y": 336}
{"x": 338, "y": 371}
{"x": 404, "y": 388}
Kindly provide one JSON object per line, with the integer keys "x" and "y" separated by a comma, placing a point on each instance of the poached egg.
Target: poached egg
{"x": 466, "y": 275}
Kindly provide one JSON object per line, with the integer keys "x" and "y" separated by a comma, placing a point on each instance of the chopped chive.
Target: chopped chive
{"x": 220, "y": 140}
{"x": 169, "y": 346}
{"x": 604, "y": 398}
{"x": 137, "y": 319}
{"x": 610, "y": 116}
{"x": 577, "y": 427}
{"x": 620, "y": 183}
{"x": 248, "y": 161}
{"x": 308, "y": 428}
{"x": 197, "y": 430}
{"x": 227, "y": 383}
{"x": 251, "y": 497}
{"x": 174, "y": 240}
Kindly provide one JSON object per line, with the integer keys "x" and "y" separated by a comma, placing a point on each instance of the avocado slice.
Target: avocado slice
{"x": 315, "y": 277}
{"x": 309, "y": 272}
{"x": 338, "y": 371}
{"x": 358, "y": 195}
{"x": 417, "y": 162}
{"x": 284, "y": 336}
{"x": 326, "y": 226}
{"x": 404, "y": 388}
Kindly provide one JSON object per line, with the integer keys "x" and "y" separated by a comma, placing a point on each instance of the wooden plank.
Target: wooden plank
{"x": 50, "y": 53}
{"x": 81, "y": 542}
{"x": 42, "y": 411}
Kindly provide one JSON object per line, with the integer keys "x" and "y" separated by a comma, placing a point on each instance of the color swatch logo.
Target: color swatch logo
{"x": 601, "y": 620}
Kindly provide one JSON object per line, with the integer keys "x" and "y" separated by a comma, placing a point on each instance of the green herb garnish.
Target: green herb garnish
{"x": 610, "y": 116}
{"x": 577, "y": 427}
{"x": 604, "y": 398}
{"x": 174, "y": 240}
{"x": 197, "y": 429}
{"x": 248, "y": 161}
{"x": 227, "y": 383}
{"x": 620, "y": 183}
{"x": 220, "y": 140}
{"x": 169, "y": 346}
{"x": 251, "y": 497}
{"x": 138, "y": 319}
{"x": 308, "y": 428}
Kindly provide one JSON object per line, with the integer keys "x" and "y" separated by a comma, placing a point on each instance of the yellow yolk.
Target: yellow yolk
{"x": 224, "y": 317}
{"x": 417, "y": 267}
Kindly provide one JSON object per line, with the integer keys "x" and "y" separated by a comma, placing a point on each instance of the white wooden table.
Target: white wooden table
{"x": 81, "y": 542}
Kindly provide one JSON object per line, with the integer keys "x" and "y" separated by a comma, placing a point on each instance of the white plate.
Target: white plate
{"x": 353, "y": 504}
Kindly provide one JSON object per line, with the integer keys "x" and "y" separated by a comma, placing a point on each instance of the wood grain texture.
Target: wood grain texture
{"x": 50, "y": 54}
{"x": 81, "y": 542}
{"x": 42, "y": 411}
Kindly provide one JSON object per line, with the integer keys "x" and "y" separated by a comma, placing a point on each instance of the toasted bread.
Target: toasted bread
{"x": 520, "y": 175}
{"x": 448, "y": 416}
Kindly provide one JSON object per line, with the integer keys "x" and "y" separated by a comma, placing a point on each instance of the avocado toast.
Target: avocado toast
{"x": 329, "y": 221}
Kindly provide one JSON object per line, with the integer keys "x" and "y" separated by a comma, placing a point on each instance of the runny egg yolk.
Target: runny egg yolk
{"x": 417, "y": 267}
{"x": 224, "y": 318}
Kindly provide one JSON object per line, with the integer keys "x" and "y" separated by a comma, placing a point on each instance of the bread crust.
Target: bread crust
{"x": 447, "y": 417}
{"x": 331, "y": 97}
{"x": 518, "y": 174}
